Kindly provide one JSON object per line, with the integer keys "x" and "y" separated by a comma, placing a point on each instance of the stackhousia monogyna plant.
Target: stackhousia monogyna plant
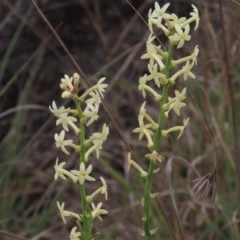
{"x": 85, "y": 113}
{"x": 164, "y": 71}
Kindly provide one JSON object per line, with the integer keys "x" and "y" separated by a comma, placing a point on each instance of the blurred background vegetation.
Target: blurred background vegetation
{"x": 107, "y": 38}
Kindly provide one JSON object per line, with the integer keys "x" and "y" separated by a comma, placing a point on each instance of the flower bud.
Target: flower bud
{"x": 76, "y": 80}
{"x": 66, "y": 94}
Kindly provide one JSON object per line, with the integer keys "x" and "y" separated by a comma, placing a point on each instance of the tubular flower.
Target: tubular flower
{"x": 99, "y": 87}
{"x": 61, "y": 172}
{"x": 102, "y": 190}
{"x": 142, "y": 87}
{"x": 195, "y": 17}
{"x": 192, "y": 57}
{"x": 143, "y": 173}
{"x": 185, "y": 71}
{"x": 177, "y": 128}
{"x": 65, "y": 213}
{"x": 143, "y": 114}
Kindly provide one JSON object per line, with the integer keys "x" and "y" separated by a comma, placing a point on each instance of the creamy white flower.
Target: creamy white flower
{"x": 144, "y": 130}
{"x": 151, "y": 20}
{"x": 91, "y": 112}
{"x": 65, "y": 213}
{"x": 181, "y": 36}
{"x": 142, "y": 84}
{"x": 74, "y": 235}
{"x": 195, "y": 54}
{"x": 102, "y": 190}
{"x": 185, "y": 122}
{"x": 62, "y": 212}
{"x": 180, "y": 96}
{"x": 67, "y": 83}
{"x": 175, "y": 22}
{"x": 104, "y": 187}
{"x": 60, "y": 142}
{"x": 160, "y": 12}
{"x": 177, "y": 128}
{"x": 187, "y": 71}
{"x": 103, "y": 135}
{"x": 156, "y": 75}
{"x": 101, "y": 87}
{"x": 66, "y": 120}
{"x": 66, "y": 94}
{"x": 195, "y": 17}
{"x": 95, "y": 99}
{"x": 57, "y": 111}
{"x": 83, "y": 173}
{"x": 58, "y": 170}
{"x": 61, "y": 172}
{"x": 192, "y": 57}
{"x": 154, "y": 156}
{"x": 176, "y": 105}
{"x": 97, "y": 211}
{"x": 152, "y": 54}
{"x": 143, "y": 173}
{"x": 143, "y": 114}
{"x": 97, "y": 146}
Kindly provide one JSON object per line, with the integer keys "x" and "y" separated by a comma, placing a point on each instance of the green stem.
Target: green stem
{"x": 87, "y": 215}
{"x": 158, "y": 136}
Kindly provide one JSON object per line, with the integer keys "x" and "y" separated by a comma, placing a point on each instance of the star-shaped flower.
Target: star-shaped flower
{"x": 101, "y": 87}
{"x": 181, "y": 36}
{"x": 97, "y": 211}
{"x": 62, "y": 211}
{"x": 160, "y": 12}
{"x": 60, "y": 142}
{"x": 83, "y": 173}
{"x": 66, "y": 120}
{"x": 187, "y": 71}
{"x": 74, "y": 235}
{"x": 156, "y": 75}
{"x": 57, "y": 111}
{"x": 91, "y": 112}
{"x": 104, "y": 187}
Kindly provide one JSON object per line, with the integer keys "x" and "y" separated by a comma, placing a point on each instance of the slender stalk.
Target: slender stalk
{"x": 148, "y": 186}
{"x": 87, "y": 217}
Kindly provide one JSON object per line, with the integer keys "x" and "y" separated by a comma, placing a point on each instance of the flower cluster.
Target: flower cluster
{"x": 85, "y": 113}
{"x": 161, "y": 68}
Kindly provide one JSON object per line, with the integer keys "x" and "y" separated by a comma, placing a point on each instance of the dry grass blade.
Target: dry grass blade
{"x": 205, "y": 186}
